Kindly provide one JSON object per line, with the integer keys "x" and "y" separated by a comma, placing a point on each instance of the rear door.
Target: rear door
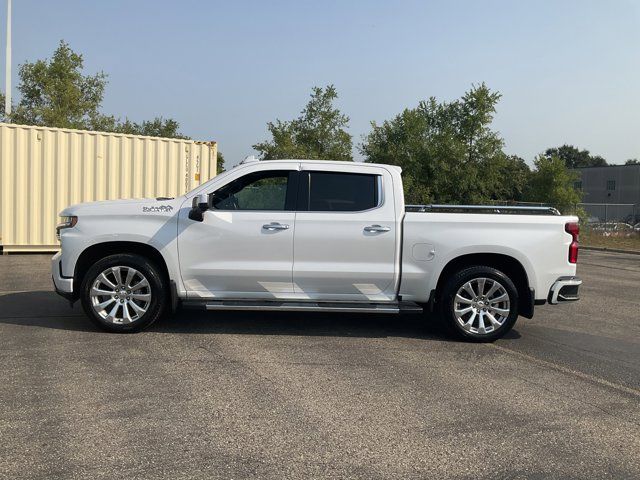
{"x": 346, "y": 234}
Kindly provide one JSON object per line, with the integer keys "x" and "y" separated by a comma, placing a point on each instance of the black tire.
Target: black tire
{"x": 158, "y": 290}
{"x": 448, "y": 304}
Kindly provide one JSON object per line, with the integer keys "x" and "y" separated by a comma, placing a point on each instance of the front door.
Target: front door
{"x": 243, "y": 248}
{"x": 345, "y": 238}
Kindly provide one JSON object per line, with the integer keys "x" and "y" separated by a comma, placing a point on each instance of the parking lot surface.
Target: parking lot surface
{"x": 272, "y": 395}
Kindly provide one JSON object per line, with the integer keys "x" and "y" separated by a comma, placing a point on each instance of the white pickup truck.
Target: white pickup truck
{"x": 314, "y": 235}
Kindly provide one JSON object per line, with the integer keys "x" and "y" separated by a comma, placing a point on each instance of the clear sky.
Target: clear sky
{"x": 569, "y": 71}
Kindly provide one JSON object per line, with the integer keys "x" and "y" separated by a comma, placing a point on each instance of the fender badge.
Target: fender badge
{"x": 161, "y": 208}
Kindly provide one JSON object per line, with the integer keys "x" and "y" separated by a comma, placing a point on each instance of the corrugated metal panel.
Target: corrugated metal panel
{"x": 43, "y": 170}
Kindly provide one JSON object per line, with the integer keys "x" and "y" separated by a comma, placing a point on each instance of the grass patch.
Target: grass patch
{"x": 615, "y": 240}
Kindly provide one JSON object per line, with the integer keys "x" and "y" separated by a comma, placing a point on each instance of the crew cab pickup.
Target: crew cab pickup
{"x": 314, "y": 235}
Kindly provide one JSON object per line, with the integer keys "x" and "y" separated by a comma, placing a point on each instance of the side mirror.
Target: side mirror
{"x": 199, "y": 205}
{"x": 202, "y": 201}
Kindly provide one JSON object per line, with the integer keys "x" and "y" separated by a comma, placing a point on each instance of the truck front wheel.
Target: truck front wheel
{"x": 480, "y": 303}
{"x": 123, "y": 293}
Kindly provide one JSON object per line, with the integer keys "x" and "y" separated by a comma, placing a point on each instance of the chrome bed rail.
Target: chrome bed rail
{"x": 499, "y": 209}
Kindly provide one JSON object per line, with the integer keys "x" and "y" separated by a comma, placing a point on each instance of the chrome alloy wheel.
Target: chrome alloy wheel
{"x": 120, "y": 295}
{"x": 481, "y": 305}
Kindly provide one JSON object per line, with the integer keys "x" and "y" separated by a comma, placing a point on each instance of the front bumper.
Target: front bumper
{"x": 63, "y": 285}
{"x": 565, "y": 289}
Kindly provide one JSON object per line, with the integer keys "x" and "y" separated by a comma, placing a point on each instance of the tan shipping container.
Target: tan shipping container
{"x": 43, "y": 170}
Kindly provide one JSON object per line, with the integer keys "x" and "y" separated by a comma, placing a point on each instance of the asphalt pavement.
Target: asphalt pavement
{"x": 275, "y": 395}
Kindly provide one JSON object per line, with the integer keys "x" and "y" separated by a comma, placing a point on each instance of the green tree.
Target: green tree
{"x": 513, "y": 176}
{"x": 2, "y": 116}
{"x": 448, "y": 151}
{"x": 319, "y": 133}
{"x": 158, "y": 127}
{"x": 56, "y": 93}
{"x": 632, "y": 161}
{"x": 575, "y": 158}
{"x": 220, "y": 163}
{"x": 553, "y": 183}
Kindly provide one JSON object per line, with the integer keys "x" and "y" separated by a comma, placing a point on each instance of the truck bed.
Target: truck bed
{"x": 434, "y": 235}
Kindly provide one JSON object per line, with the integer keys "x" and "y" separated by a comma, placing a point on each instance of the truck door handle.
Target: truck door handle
{"x": 376, "y": 229}
{"x": 273, "y": 226}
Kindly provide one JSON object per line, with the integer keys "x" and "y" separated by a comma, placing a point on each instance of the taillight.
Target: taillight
{"x": 574, "y": 230}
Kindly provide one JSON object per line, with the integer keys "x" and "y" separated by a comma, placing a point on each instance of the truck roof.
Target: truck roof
{"x": 251, "y": 159}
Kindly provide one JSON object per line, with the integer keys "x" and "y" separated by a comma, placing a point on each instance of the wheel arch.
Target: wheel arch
{"x": 101, "y": 250}
{"x": 509, "y": 265}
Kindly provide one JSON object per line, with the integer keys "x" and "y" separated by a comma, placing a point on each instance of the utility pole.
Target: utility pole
{"x": 7, "y": 78}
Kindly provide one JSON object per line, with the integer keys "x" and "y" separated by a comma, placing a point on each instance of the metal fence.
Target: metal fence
{"x": 611, "y": 212}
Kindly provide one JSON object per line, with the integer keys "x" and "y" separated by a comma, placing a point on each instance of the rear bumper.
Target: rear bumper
{"x": 63, "y": 285}
{"x": 565, "y": 289}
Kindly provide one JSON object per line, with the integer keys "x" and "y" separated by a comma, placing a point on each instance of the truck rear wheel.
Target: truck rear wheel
{"x": 480, "y": 304}
{"x": 123, "y": 293}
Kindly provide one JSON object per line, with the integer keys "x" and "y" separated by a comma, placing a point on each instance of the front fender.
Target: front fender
{"x": 157, "y": 231}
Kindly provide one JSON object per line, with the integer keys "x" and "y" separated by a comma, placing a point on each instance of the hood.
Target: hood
{"x": 141, "y": 206}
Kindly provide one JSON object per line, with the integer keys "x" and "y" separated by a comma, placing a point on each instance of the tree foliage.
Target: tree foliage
{"x": 56, "y": 93}
{"x": 552, "y": 183}
{"x": 2, "y": 116}
{"x": 220, "y": 163}
{"x": 575, "y": 158}
{"x": 448, "y": 151}
{"x": 158, "y": 127}
{"x": 319, "y": 133}
{"x": 632, "y": 161}
{"x": 513, "y": 175}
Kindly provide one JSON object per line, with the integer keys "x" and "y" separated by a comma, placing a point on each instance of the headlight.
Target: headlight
{"x": 65, "y": 222}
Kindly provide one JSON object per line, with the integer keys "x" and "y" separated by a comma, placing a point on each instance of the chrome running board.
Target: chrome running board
{"x": 291, "y": 306}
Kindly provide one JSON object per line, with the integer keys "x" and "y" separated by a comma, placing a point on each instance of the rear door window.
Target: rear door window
{"x": 341, "y": 192}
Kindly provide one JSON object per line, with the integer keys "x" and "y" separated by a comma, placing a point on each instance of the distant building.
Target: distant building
{"x": 614, "y": 184}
